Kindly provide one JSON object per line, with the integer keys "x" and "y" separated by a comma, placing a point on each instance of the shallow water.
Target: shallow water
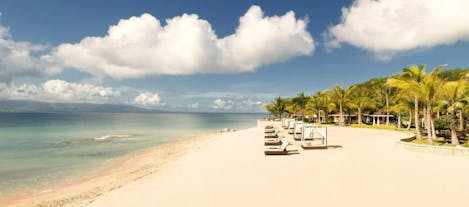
{"x": 36, "y": 148}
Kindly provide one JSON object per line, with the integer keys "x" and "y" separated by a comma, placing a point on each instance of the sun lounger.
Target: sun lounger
{"x": 270, "y": 135}
{"x": 270, "y": 126}
{"x": 269, "y": 131}
{"x": 273, "y": 141}
{"x": 277, "y": 150}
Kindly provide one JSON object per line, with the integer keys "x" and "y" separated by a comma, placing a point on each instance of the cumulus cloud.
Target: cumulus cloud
{"x": 195, "y": 105}
{"x": 186, "y": 44}
{"x": 220, "y": 104}
{"x": 21, "y": 59}
{"x": 386, "y": 27}
{"x": 147, "y": 99}
{"x": 62, "y": 91}
{"x": 241, "y": 104}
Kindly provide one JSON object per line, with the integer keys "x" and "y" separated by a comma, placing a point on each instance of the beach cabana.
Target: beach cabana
{"x": 286, "y": 122}
{"x": 314, "y": 137}
{"x": 378, "y": 118}
{"x": 291, "y": 126}
{"x": 298, "y": 130}
{"x": 348, "y": 118}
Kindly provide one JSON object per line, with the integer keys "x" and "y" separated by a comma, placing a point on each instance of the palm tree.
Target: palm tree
{"x": 278, "y": 106}
{"x": 300, "y": 102}
{"x": 410, "y": 82}
{"x": 341, "y": 95}
{"x": 361, "y": 100}
{"x": 315, "y": 105}
{"x": 454, "y": 92}
{"x": 430, "y": 87}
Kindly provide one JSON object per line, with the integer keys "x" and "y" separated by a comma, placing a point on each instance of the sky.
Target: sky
{"x": 228, "y": 56}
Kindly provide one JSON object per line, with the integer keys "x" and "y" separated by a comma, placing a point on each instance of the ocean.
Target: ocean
{"x": 38, "y": 148}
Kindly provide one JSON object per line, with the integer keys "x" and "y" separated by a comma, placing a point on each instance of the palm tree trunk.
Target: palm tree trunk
{"x": 359, "y": 116}
{"x": 461, "y": 121}
{"x": 433, "y": 127}
{"x": 428, "y": 124}
{"x": 418, "y": 135}
{"x": 399, "y": 120}
{"x": 452, "y": 125}
{"x": 341, "y": 118}
{"x": 387, "y": 109}
{"x": 410, "y": 120}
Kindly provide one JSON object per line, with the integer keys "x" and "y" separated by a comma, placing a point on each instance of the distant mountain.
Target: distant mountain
{"x": 36, "y": 106}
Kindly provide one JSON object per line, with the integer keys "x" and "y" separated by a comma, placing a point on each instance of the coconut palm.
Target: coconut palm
{"x": 300, "y": 102}
{"x": 278, "y": 106}
{"x": 341, "y": 96}
{"x": 315, "y": 105}
{"x": 361, "y": 100}
{"x": 454, "y": 92}
{"x": 429, "y": 89}
{"x": 409, "y": 81}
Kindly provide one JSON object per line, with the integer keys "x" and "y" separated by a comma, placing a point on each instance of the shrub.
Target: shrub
{"x": 373, "y": 126}
{"x": 442, "y": 123}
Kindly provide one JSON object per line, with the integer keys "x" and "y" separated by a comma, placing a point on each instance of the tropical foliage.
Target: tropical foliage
{"x": 413, "y": 98}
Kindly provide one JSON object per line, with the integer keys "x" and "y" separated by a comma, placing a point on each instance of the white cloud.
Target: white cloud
{"x": 218, "y": 104}
{"x": 386, "y": 27}
{"x": 62, "y": 91}
{"x": 222, "y": 105}
{"x": 18, "y": 59}
{"x": 195, "y": 105}
{"x": 186, "y": 44}
{"x": 76, "y": 92}
{"x": 147, "y": 99}
{"x": 241, "y": 104}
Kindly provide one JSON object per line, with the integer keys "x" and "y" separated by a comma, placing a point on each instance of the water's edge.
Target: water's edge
{"x": 82, "y": 188}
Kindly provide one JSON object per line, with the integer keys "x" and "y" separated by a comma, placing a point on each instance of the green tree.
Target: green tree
{"x": 361, "y": 99}
{"x": 454, "y": 92}
{"x": 409, "y": 81}
{"x": 341, "y": 96}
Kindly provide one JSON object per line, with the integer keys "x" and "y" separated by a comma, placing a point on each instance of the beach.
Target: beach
{"x": 361, "y": 167}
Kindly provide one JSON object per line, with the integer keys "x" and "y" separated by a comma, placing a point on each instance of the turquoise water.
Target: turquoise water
{"x": 36, "y": 148}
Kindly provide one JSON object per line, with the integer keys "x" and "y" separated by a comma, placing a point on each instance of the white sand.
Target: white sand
{"x": 369, "y": 169}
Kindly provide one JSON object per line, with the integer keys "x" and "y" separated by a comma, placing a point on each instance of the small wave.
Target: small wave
{"x": 105, "y": 138}
{"x": 114, "y": 136}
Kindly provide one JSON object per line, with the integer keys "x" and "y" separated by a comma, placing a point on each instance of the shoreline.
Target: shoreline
{"x": 82, "y": 188}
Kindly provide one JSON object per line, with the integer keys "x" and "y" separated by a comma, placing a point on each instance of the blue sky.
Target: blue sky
{"x": 349, "y": 47}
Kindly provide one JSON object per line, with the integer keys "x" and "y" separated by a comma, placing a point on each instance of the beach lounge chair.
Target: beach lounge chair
{"x": 269, "y": 130}
{"x": 314, "y": 137}
{"x": 273, "y": 141}
{"x": 277, "y": 150}
{"x": 270, "y": 135}
{"x": 270, "y": 126}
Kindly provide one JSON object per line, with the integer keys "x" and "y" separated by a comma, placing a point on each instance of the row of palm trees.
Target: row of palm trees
{"x": 412, "y": 94}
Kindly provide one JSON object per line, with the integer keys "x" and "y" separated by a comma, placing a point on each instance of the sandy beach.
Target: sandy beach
{"x": 362, "y": 167}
